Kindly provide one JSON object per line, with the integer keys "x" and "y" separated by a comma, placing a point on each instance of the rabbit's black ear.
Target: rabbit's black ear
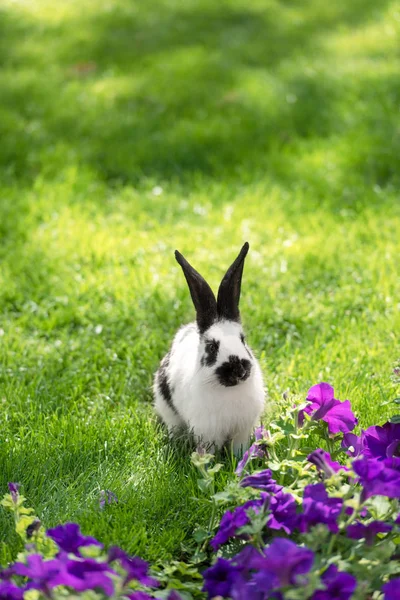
{"x": 229, "y": 290}
{"x": 202, "y": 295}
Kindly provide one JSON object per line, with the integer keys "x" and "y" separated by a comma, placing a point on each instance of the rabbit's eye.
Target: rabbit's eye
{"x": 212, "y": 347}
{"x": 211, "y": 352}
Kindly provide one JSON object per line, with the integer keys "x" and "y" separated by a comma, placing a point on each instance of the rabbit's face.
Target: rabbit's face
{"x": 225, "y": 354}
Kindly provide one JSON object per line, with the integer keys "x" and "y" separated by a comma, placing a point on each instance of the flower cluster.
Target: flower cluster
{"x": 300, "y": 523}
{"x": 337, "y": 522}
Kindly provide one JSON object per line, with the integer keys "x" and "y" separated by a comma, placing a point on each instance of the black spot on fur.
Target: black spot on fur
{"x": 233, "y": 371}
{"x": 163, "y": 383}
{"x": 211, "y": 352}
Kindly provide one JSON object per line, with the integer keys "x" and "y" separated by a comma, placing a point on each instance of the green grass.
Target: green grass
{"x": 273, "y": 122}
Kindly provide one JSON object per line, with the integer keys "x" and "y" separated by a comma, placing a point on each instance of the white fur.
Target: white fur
{"x": 213, "y": 412}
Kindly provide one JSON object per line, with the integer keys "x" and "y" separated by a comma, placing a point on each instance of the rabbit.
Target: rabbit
{"x": 210, "y": 381}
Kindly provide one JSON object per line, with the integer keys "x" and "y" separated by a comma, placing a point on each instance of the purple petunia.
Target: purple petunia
{"x": 392, "y": 589}
{"x": 262, "y": 481}
{"x": 41, "y": 573}
{"x": 283, "y": 513}
{"x": 138, "y": 595}
{"x": 322, "y": 460}
{"x": 107, "y": 497}
{"x": 376, "y": 442}
{"x": 358, "y": 531}
{"x": 69, "y": 538}
{"x": 286, "y": 561}
{"x": 378, "y": 477}
{"x": 85, "y": 574}
{"x": 232, "y": 521}
{"x": 338, "y": 585}
{"x": 220, "y": 578}
{"x": 13, "y": 488}
{"x": 338, "y": 415}
{"x": 135, "y": 567}
{"x": 318, "y": 507}
{"x": 9, "y": 591}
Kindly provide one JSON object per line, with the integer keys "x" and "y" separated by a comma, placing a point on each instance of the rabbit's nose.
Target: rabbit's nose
{"x": 241, "y": 372}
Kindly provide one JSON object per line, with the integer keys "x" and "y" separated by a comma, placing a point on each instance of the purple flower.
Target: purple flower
{"x": 9, "y": 591}
{"x": 338, "y": 585}
{"x": 107, "y": 497}
{"x": 255, "y": 451}
{"x": 338, "y": 415}
{"x": 378, "y": 477}
{"x": 397, "y": 521}
{"x": 376, "y": 442}
{"x": 135, "y": 567}
{"x": 318, "y": 507}
{"x": 358, "y": 531}
{"x": 322, "y": 460}
{"x": 287, "y": 561}
{"x": 85, "y": 574}
{"x": 69, "y": 538}
{"x": 220, "y": 578}
{"x": 174, "y": 596}
{"x": 392, "y": 589}
{"x": 352, "y": 444}
{"x": 41, "y": 574}
{"x": 138, "y": 595}
{"x": 262, "y": 481}
{"x": 13, "y": 489}
{"x": 283, "y": 513}
{"x": 232, "y": 521}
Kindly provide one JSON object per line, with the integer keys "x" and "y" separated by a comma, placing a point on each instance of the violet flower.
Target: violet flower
{"x": 376, "y": 442}
{"x": 338, "y": 585}
{"x": 232, "y": 521}
{"x": 69, "y": 538}
{"x": 135, "y": 567}
{"x": 220, "y": 578}
{"x": 138, "y": 595}
{"x": 107, "y": 497}
{"x": 283, "y": 513}
{"x": 352, "y": 444}
{"x": 287, "y": 561}
{"x": 85, "y": 574}
{"x": 318, "y": 508}
{"x": 262, "y": 481}
{"x": 41, "y": 574}
{"x": 392, "y": 589}
{"x": 10, "y": 591}
{"x": 13, "y": 488}
{"x": 358, "y": 531}
{"x": 338, "y": 415}
{"x": 322, "y": 460}
{"x": 378, "y": 477}
{"x": 255, "y": 451}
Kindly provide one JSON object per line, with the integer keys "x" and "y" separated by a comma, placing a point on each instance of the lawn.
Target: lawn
{"x": 129, "y": 129}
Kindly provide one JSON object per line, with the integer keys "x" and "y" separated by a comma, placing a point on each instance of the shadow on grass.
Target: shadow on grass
{"x": 166, "y": 93}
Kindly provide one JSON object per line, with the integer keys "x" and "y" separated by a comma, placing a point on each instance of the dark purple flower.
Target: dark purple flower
{"x": 398, "y": 520}
{"x": 352, "y": 444}
{"x": 318, "y": 507}
{"x": 322, "y": 460}
{"x": 338, "y": 585}
{"x": 13, "y": 489}
{"x": 378, "y": 477}
{"x": 85, "y": 574}
{"x": 392, "y": 589}
{"x": 135, "y": 567}
{"x": 107, "y": 497}
{"x": 173, "y": 595}
{"x": 69, "y": 538}
{"x": 232, "y": 521}
{"x": 338, "y": 415}
{"x": 358, "y": 531}
{"x": 287, "y": 561}
{"x": 219, "y": 579}
{"x": 376, "y": 442}
{"x": 138, "y": 595}
{"x": 255, "y": 451}
{"x": 9, "y": 591}
{"x": 283, "y": 513}
{"x": 41, "y": 573}
{"x": 262, "y": 481}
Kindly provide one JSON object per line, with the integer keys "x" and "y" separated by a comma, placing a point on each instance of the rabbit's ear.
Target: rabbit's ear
{"x": 202, "y": 295}
{"x": 229, "y": 290}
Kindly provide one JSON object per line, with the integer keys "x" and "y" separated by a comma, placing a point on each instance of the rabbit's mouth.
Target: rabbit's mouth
{"x": 234, "y": 371}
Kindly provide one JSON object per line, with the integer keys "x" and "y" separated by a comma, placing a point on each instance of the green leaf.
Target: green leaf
{"x": 200, "y": 535}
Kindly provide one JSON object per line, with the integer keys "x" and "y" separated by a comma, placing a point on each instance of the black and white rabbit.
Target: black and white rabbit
{"x": 210, "y": 380}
